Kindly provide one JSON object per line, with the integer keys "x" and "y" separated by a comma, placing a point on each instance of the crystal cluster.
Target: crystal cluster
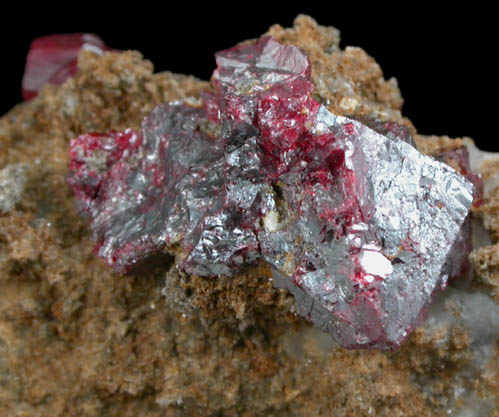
{"x": 357, "y": 224}
{"x": 53, "y": 59}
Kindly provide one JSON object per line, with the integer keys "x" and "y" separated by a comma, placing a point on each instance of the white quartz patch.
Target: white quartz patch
{"x": 12, "y": 182}
{"x": 271, "y": 221}
{"x": 375, "y": 263}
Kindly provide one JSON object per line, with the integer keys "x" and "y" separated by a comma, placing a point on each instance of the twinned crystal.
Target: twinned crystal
{"x": 357, "y": 224}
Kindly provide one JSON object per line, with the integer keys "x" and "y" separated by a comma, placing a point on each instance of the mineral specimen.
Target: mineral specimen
{"x": 349, "y": 216}
{"x": 78, "y": 340}
{"x": 52, "y": 60}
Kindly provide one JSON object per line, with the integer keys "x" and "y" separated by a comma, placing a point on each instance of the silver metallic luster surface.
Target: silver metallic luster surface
{"x": 357, "y": 224}
{"x": 159, "y": 200}
{"x": 379, "y": 273}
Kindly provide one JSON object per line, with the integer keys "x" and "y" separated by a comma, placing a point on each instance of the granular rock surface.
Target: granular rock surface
{"x": 77, "y": 339}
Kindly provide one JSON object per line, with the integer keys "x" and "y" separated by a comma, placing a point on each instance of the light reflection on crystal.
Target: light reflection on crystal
{"x": 349, "y": 216}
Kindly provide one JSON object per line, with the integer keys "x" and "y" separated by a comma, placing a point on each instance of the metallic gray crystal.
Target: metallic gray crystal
{"x": 350, "y": 217}
{"x": 415, "y": 208}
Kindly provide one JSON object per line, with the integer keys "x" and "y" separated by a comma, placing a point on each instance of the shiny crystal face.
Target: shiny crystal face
{"x": 52, "y": 60}
{"x": 357, "y": 224}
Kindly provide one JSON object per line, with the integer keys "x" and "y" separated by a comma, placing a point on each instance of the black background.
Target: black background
{"x": 444, "y": 60}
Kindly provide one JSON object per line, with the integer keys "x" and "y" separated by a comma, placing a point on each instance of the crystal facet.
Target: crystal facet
{"x": 357, "y": 224}
{"x": 53, "y": 59}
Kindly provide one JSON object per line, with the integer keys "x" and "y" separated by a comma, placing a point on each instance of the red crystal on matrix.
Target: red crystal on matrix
{"x": 343, "y": 211}
{"x": 53, "y": 59}
{"x": 92, "y": 155}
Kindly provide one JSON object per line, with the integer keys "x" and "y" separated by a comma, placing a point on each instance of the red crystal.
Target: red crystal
{"x": 53, "y": 59}
{"x": 92, "y": 155}
{"x": 342, "y": 211}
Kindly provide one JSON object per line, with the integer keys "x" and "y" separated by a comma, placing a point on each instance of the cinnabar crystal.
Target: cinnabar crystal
{"x": 53, "y": 59}
{"x": 349, "y": 216}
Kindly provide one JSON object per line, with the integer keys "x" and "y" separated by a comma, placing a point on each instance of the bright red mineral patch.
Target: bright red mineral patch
{"x": 53, "y": 59}
{"x": 358, "y": 225}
